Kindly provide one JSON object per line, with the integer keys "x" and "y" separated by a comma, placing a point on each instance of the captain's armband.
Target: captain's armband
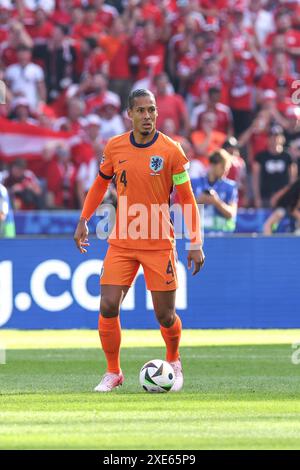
{"x": 181, "y": 178}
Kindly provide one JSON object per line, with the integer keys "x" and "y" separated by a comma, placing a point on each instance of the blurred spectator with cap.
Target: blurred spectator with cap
{"x": 23, "y": 186}
{"x": 21, "y": 111}
{"x": 111, "y": 119}
{"x": 91, "y": 142}
{"x": 26, "y": 78}
{"x": 218, "y": 194}
{"x": 272, "y": 169}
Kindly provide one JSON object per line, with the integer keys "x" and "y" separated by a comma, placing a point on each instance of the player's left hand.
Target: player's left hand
{"x": 81, "y": 236}
{"x": 197, "y": 257}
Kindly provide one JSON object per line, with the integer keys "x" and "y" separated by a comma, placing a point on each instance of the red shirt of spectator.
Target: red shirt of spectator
{"x": 61, "y": 180}
{"x": 41, "y": 30}
{"x": 223, "y": 114}
{"x": 90, "y": 27}
{"x": 242, "y": 85}
{"x": 269, "y": 81}
{"x": 212, "y": 78}
{"x": 149, "y": 51}
{"x": 291, "y": 36}
{"x": 91, "y": 58}
{"x": 170, "y": 106}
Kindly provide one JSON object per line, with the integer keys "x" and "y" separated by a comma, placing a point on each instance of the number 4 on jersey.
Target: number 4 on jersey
{"x": 170, "y": 269}
{"x": 123, "y": 178}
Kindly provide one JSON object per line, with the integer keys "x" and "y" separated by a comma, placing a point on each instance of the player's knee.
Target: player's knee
{"x": 109, "y": 308}
{"x": 166, "y": 317}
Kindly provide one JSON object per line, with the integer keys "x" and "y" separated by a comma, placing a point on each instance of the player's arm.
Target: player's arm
{"x": 191, "y": 218}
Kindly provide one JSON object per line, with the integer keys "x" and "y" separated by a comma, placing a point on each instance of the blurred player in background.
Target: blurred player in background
{"x": 145, "y": 164}
{"x": 218, "y": 193}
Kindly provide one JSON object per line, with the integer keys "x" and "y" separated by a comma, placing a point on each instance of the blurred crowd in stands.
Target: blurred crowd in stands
{"x": 224, "y": 73}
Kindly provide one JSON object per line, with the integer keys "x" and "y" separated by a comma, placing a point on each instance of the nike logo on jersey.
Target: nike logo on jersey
{"x": 122, "y": 161}
{"x": 169, "y": 282}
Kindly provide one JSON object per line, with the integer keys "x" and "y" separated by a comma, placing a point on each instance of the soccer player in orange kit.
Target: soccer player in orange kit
{"x": 146, "y": 164}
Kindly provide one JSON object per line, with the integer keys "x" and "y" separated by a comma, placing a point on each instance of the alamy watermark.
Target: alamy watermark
{"x": 139, "y": 221}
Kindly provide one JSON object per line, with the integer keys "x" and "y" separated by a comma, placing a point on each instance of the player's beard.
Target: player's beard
{"x": 146, "y": 132}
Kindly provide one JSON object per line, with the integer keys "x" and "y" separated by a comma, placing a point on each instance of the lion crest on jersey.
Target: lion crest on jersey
{"x": 156, "y": 163}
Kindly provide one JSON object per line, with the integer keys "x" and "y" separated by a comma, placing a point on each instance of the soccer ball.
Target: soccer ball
{"x": 157, "y": 376}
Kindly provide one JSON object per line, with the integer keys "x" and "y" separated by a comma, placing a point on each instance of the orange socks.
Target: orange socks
{"x": 172, "y": 337}
{"x": 110, "y": 337}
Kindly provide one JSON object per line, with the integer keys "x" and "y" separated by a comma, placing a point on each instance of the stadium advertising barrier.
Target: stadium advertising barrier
{"x": 246, "y": 283}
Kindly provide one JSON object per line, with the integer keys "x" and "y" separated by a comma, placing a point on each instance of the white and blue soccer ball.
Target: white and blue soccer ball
{"x": 157, "y": 376}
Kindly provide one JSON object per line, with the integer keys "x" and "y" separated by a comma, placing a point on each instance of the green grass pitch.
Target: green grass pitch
{"x": 241, "y": 392}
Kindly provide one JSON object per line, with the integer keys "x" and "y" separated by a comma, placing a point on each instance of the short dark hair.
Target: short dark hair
{"x": 136, "y": 94}
{"x": 219, "y": 156}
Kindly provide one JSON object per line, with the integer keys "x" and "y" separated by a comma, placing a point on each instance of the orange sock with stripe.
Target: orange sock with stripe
{"x": 172, "y": 337}
{"x": 110, "y": 337}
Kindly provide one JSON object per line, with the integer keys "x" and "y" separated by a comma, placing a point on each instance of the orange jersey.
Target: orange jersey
{"x": 144, "y": 179}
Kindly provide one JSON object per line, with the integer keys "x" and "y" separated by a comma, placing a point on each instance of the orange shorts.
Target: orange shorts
{"x": 120, "y": 267}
